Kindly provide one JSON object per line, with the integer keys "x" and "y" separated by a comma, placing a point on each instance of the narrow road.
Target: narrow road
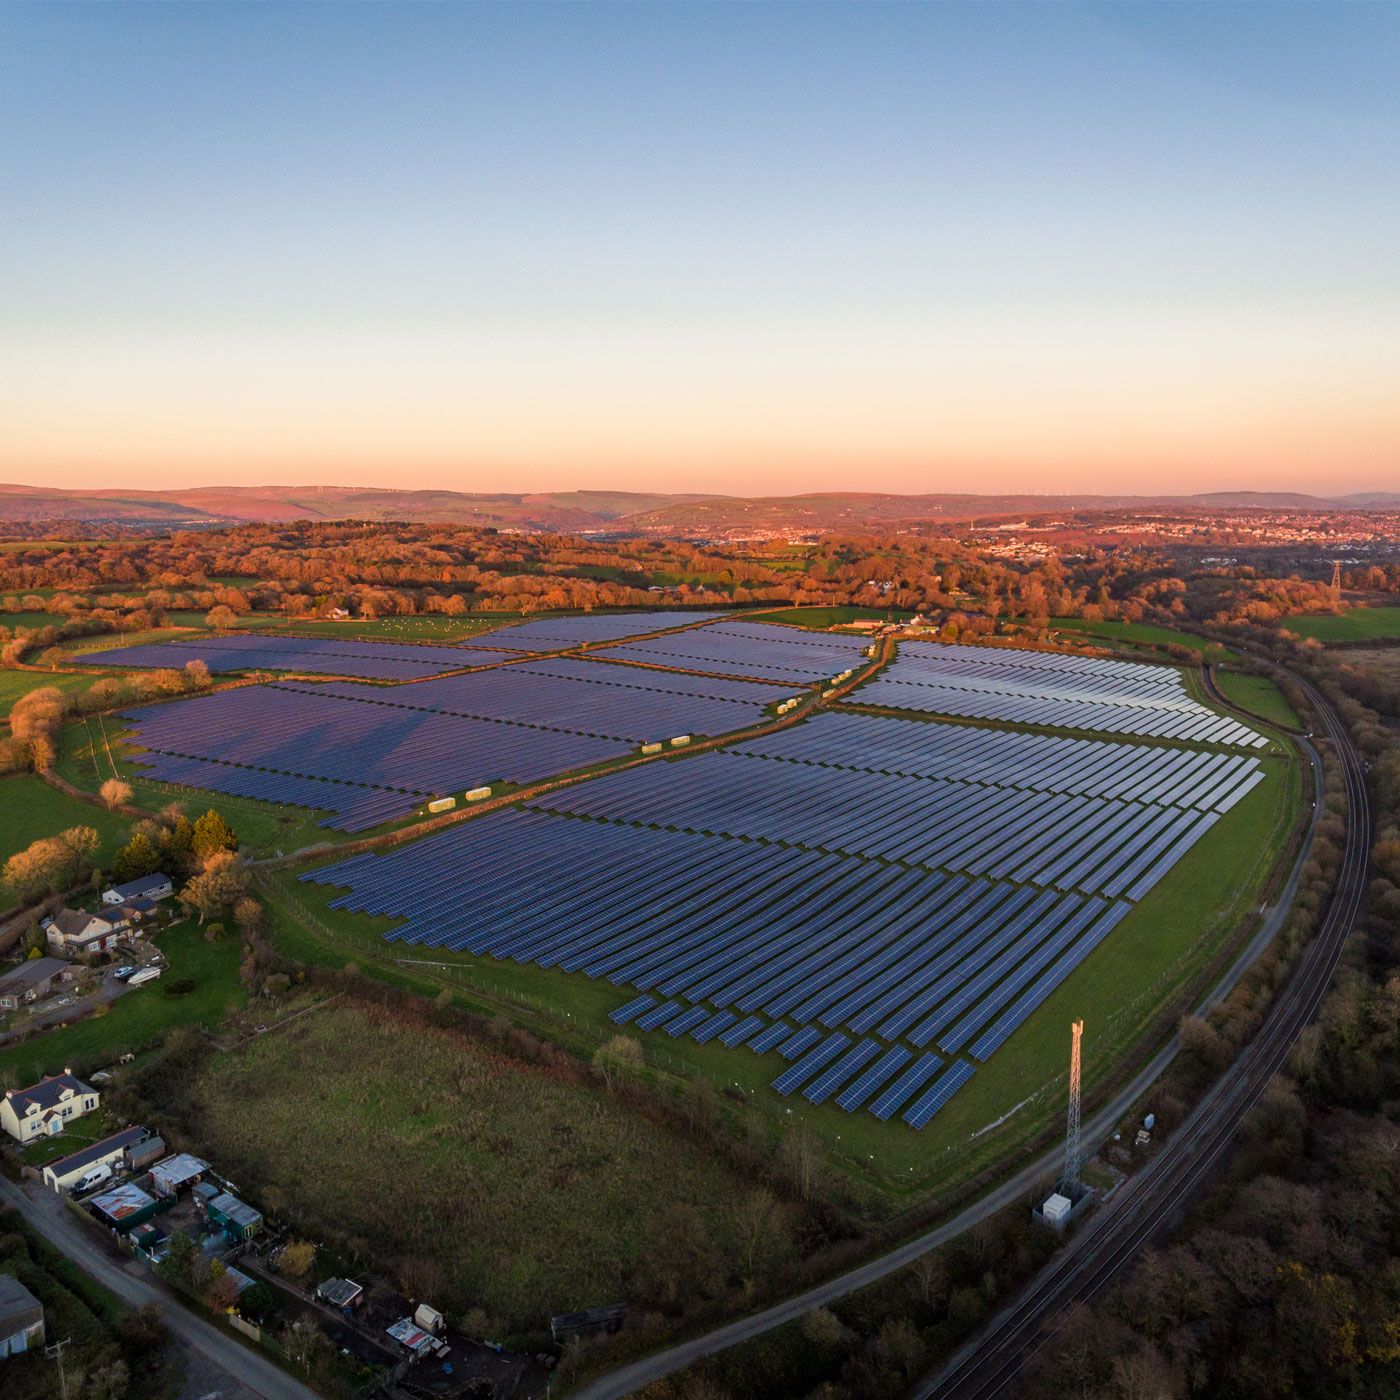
{"x": 628, "y": 1379}
{"x": 991, "y": 1363}
{"x": 244, "y": 1371}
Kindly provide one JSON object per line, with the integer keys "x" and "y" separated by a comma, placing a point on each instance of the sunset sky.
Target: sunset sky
{"x": 741, "y": 248}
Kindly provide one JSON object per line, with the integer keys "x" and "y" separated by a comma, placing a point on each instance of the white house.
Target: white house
{"x": 154, "y": 887}
{"x": 43, "y": 1109}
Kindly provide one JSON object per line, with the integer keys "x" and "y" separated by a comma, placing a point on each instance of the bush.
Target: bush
{"x": 180, "y": 987}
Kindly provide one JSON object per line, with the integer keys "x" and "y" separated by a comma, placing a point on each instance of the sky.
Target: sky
{"x": 742, "y": 248}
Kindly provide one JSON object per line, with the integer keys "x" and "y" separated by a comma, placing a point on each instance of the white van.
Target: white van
{"x": 94, "y": 1176}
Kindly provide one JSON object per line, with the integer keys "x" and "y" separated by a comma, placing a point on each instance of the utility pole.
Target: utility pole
{"x": 1069, "y": 1182}
{"x": 55, "y": 1353}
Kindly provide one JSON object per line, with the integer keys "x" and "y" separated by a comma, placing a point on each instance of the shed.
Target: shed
{"x": 430, "y": 1319}
{"x": 176, "y": 1173}
{"x": 414, "y": 1340}
{"x": 30, "y": 981}
{"x": 67, "y": 1171}
{"x": 149, "y": 1239}
{"x": 608, "y": 1318}
{"x": 236, "y": 1219}
{"x": 1056, "y": 1210}
{"x": 124, "y": 1207}
{"x": 205, "y": 1192}
{"x": 142, "y": 1154}
{"x": 21, "y": 1318}
{"x": 342, "y": 1293}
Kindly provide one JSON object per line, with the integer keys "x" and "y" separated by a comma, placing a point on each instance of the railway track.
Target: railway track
{"x": 991, "y": 1363}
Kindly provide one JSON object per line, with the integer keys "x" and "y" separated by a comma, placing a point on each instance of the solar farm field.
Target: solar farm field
{"x": 866, "y": 918}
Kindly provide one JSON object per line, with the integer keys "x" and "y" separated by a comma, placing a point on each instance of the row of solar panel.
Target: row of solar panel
{"x": 554, "y": 633}
{"x": 1073, "y": 674}
{"x": 1037, "y": 762}
{"x": 903, "y": 692}
{"x": 312, "y": 655}
{"x": 824, "y": 939}
{"x": 750, "y": 649}
{"x": 1068, "y": 841}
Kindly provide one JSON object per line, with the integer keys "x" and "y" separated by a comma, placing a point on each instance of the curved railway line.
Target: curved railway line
{"x": 992, "y": 1362}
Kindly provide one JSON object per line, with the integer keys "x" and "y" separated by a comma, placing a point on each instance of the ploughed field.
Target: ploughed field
{"x": 880, "y": 900}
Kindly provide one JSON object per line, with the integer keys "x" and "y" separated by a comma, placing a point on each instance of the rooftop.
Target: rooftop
{"x": 175, "y": 1171}
{"x": 76, "y": 1161}
{"x": 122, "y": 1201}
{"x": 31, "y": 973}
{"x": 16, "y": 1301}
{"x": 47, "y": 1092}
{"x": 231, "y": 1208}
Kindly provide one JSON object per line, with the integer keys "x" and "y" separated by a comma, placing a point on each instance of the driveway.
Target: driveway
{"x": 219, "y": 1367}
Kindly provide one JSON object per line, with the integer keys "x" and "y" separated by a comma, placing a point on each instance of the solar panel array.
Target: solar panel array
{"x": 1066, "y": 692}
{"x": 515, "y": 724}
{"x": 751, "y": 649}
{"x": 331, "y": 656}
{"x": 583, "y": 697}
{"x": 1059, "y": 839}
{"x": 554, "y": 633}
{"x": 831, "y": 960}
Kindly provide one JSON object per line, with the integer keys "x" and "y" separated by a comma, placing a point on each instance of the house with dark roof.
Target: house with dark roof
{"x": 68, "y": 1171}
{"x": 21, "y": 1318}
{"x": 31, "y": 981}
{"x": 74, "y": 934}
{"x": 148, "y": 887}
{"x": 45, "y": 1108}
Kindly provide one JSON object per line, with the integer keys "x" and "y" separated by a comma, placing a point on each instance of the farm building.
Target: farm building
{"x": 74, "y": 934}
{"x": 21, "y": 1318}
{"x": 342, "y": 1293}
{"x": 124, "y": 1207}
{"x": 149, "y": 1240}
{"x": 148, "y": 887}
{"x": 177, "y": 1173}
{"x": 237, "y": 1220}
{"x": 67, "y": 1172}
{"x": 143, "y": 1153}
{"x": 30, "y": 982}
{"x": 44, "y": 1108}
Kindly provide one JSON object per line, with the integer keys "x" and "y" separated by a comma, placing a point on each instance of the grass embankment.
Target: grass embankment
{"x": 1259, "y": 695}
{"x": 142, "y": 1016}
{"x": 528, "y": 1193}
{"x": 1147, "y": 964}
{"x": 1355, "y": 625}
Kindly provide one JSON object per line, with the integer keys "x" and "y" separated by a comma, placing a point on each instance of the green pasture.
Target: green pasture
{"x": 824, "y": 618}
{"x": 1259, "y": 695}
{"x": 30, "y": 808}
{"x": 1354, "y": 625}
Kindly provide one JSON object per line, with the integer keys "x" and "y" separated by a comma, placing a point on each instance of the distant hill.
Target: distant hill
{"x": 598, "y": 511}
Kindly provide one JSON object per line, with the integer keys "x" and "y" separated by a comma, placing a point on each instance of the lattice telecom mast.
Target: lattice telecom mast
{"x": 1069, "y": 1183}
{"x": 1336, "y": 580}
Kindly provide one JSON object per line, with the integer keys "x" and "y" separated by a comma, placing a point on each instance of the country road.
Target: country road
{"x": 237, "y": 1370}
{"x": 632, "y": 1377}
{"x": 991, "y": 1363}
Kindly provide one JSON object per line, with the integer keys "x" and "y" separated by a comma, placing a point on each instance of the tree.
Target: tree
{"x": 617, "y": 1057}
{"x": 216, "y": 887}
{"x": 306, "y": 1345}
{"x": 51, "y": 864}
{"x": 297, "y": 1259}
{"x": 212, "y": 834}
{"x": 137, "y": 858}
{"x": 248, "y": 915}
{"x": 221, "y": 618}
{"x": 115, "y": 793}
{"x": 258, "y": 1302}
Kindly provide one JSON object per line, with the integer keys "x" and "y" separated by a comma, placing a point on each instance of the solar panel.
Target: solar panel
{"x": 797, "y": 1074}
{"x": 900, "y": 1091}
{"x": 938, "y": 1093}
{"x": 631, "y": 1009}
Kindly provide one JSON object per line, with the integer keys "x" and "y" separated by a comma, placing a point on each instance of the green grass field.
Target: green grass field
{"x": 31, "y": 620}
{"x": 30, "y": 808}
{"x": 142, "y": 1016}
{"x": 1259, "y": 695}
{"x": 1355, "y": 625}
{"x": 1149, "y": 960}
{"x": 13, "y": 684}
{"x": 527, "y": 1194}
{"x": 828, "y": 617}
{"x": 1142, "y": 633}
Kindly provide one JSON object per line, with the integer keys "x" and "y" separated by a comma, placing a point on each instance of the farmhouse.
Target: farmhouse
{"x": 148, "y": 887}
{"x": 67, "y": 1172}
{"x": 44, "y": 1108}
{"x": 75, "y": 934}
{"x": 30, "y": 982}
{"x": 21, "y": 1318}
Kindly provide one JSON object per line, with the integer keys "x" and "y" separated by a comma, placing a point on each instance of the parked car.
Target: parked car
{"x": 122, "y": 973}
